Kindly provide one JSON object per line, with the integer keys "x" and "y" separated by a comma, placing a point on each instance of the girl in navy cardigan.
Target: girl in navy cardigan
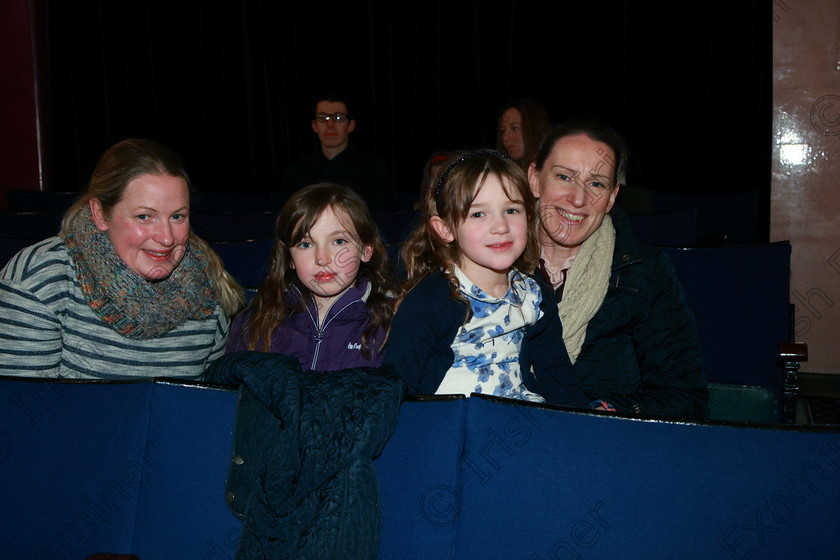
{"x": 328, "y": 297}
{"x": 470, "y": 321}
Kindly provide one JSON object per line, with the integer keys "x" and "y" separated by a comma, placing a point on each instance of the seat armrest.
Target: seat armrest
{"x": 792, "y": 352}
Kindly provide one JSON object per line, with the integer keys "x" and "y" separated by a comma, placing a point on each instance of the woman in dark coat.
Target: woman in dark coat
{"x": 626, "y": 326}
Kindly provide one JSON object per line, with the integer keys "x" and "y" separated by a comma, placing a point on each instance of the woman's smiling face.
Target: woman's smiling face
{"x": 576, "y": 187}
{"x": 150, "y": 226}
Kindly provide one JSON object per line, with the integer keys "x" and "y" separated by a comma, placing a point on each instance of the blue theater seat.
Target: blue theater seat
{"x": 189, "y": 437}
{"x": 677, "y": 229}
{"x": 426, "y": 449}
{"x": 549, "y": 485}
{"x": 114, "y": 467}
{"x": 740, "y": 297}
{"x": 140, "y": 467}
{"x": 20, "y": 229}
{"x": 218, "y": 202}
{"x": 10, "y": 246}
{"x": 245, "y": 260}
{"x": 395, "y": 226}
{"x": 30, "y": 225}
{"x": 722, "y": 219}
{"x": 232, "y": 226}
{"x": 23, "y": 200}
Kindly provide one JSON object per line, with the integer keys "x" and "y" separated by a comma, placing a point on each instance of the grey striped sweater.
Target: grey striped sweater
{"x": 47, "y": 328}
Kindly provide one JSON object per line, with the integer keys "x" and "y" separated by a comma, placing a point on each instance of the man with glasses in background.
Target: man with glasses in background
{"x": 338, "y": 161}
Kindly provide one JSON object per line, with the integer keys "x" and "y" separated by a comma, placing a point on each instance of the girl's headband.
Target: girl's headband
{"x": 461, "y": 160}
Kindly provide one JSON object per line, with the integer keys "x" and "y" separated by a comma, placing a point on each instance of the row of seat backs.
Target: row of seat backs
{"x": 697, "y": 219}
{"x": 678, "y": 220}
{"x": 492, "y": 479}
{"x": 140, "y": 467}
{"x": 660, "y": 218}
{"x": 26, "y": 200}
{"x": 667, "y": 219}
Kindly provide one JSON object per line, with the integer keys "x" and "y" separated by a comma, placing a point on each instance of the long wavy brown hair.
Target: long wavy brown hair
{"x": 270, "y": 305}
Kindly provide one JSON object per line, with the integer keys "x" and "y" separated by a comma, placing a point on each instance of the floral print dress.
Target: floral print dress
{"x": 487, "y": 347}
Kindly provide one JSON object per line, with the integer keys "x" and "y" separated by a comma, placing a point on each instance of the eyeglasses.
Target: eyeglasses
{"x": 335, "y": 117}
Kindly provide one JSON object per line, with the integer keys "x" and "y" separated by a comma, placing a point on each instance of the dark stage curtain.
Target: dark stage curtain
{"x": 228, "y": 84}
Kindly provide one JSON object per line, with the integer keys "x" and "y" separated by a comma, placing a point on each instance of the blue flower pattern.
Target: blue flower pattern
{"x": 487, "y": 348}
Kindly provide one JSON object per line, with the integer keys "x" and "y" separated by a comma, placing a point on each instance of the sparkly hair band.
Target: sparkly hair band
{"x": 461, "y": 160}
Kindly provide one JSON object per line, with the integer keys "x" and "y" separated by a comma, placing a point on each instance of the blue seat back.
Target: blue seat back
{"x": 232, "y": 226}
{"x": 395, "y": 226}
{"x": 10, "y": 246}
{"x": 740, "y": 297}
{"x": 678, "y": 228}
{"x": 561, "y": 485}
{"x": 247, "y": 261}
{"x": 115, "y": 467}
{"x": 419, "y": 476}
{"x": 23, "y": 200}
{"x": 207, "y": 201}
{"x": 182, "y": 511}
{"x": 140, "y": 467}
{"x": 722, "y": 219}
{"x": 30, "y": 225}
{"x": 73, "y": 466}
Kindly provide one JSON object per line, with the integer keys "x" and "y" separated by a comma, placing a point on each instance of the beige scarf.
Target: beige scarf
{"x": 586, "y": 286}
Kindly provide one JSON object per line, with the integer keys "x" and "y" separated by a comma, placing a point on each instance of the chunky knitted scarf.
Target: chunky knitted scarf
{"x": 586, "y": 286}
{"x": 134, "y": 307}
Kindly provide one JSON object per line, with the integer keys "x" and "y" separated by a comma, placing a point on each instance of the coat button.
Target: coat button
{"x": 626, "y": 257}
{"x": 238, "y": 460}
{"x": 230, "y": 496}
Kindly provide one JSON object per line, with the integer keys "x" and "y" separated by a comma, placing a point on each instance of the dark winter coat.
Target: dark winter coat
{"x": 302, "y": 475}
{"x": 420, "y": 344}
{"x": 641, "y": 353}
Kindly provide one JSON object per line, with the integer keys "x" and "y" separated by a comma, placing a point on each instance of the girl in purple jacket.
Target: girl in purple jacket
{"x": 327, "y": 299}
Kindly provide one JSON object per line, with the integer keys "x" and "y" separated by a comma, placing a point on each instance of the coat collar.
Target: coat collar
{"x": 626, "y": 252}
{"x": 359, "y": 292}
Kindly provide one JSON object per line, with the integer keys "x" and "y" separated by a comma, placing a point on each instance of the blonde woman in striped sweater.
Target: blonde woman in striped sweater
{"x": 126, "y": 289}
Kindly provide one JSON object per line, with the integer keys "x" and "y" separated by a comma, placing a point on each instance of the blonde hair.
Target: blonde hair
{"x": 125, "y": 161}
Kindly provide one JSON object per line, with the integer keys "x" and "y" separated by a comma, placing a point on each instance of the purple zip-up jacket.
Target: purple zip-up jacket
{"x": 337, "y": 344}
